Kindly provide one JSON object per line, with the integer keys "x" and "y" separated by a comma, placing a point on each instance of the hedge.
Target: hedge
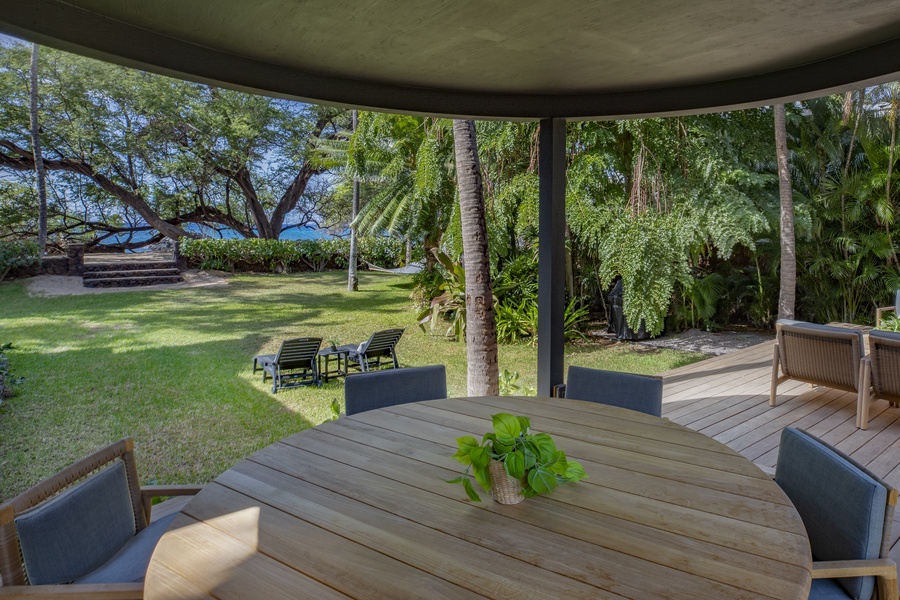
{"x": 17, "y": 253}
{"x": 286, "y": 256}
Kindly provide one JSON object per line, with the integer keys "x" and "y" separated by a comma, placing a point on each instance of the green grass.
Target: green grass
{"x": 172, "y": 369}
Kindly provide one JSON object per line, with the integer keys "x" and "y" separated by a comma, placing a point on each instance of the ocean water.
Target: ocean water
{"x": 299, "y": 233}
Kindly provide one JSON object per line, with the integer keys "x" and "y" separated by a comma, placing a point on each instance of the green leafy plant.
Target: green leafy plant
{"x": 17, "y": 253}
{"x": 450, "y": 305}
{"x": 890, "y": 323}
{"x": 532, "y": 458}
{"x": 6, "y": 377}
{"x": 510, "y": 386}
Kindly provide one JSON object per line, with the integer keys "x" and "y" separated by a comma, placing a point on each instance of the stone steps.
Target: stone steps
{"x": 130, "y": 274}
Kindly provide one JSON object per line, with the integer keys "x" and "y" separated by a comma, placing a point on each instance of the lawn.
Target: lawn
{"x": 172, "y": 369}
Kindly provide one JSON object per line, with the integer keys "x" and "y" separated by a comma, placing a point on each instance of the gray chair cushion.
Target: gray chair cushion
{"x": 842, "y": 507}
{"x": 74, "y": 533}
{"x": 378, "y": 389}
{"x": 130, "y": 564}
{"x": 827, "y": 589}
{"x": 636, "y": 392}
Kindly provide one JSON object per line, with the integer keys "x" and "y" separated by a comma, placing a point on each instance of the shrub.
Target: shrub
{"x": 6, "y": 378}
{"x": 17, "y": 253}
{"x": 285, "y": 256}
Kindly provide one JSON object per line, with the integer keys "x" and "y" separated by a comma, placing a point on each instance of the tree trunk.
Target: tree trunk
{"x": 36, "y": 150}
{"x": 481, "y": 329}
{"x": 352, "y": 280}
{"x": 787, "y": 292}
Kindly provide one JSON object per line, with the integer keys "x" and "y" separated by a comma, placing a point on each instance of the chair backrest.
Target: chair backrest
{"x": 381, "y": 342}
{"x": 378, "y": 389}
{"x": 884, "y": 352}
{"x": 847, "y": 511}
{"x": 642, "y": 393}
{"x": 49, "y": 537}
{"x": 298, "y": 353}
{"x": 820, "y": 354}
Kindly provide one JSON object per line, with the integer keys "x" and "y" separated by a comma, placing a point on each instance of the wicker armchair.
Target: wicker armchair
{"x": 880, "y": 374}
{"x": 817, "y": 354}
{"x": 90, "y": 538}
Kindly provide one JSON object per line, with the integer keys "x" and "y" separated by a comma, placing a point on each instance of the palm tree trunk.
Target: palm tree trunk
{"x": 481, "y": 329}
{"x": 352, "y": 279}
{"x": 36, "y": 149}
{"x": 787, "y": 292}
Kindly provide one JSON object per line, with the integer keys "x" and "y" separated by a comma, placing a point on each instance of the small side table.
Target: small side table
{"x": 326, "y": 356}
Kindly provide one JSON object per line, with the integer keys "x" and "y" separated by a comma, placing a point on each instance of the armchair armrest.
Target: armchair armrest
{"x": 832, "y": 569}
{"x": 154, "y": 491}
{"x": 92, "y": 591}
{"x": 149, "y": 492}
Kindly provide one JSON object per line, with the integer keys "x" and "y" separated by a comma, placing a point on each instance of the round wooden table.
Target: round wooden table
{"x": 358, "y": 507}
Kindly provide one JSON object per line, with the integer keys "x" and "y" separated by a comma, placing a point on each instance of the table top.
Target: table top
{"x": 359, "y": 507}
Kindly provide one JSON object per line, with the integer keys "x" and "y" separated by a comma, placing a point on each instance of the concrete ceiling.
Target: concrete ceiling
{"x": 516, "y": 59}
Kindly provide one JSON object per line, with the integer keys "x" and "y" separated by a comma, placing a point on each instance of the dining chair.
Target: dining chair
{"x": 642, "y": 393}
{"x": 378, "y": 389}
{"x": 90, "y": 525}
{"x": 848, "y": 513}
{"x": 880, "y": 377}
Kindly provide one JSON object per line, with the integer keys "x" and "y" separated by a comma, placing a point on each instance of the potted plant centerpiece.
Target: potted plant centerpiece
{"x": 512, "y": 463}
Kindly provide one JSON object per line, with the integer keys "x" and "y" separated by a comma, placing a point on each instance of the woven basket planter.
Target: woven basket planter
{"x": 504, "y": 489}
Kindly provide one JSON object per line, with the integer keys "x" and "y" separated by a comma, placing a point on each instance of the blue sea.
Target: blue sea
{"x": 298, "y": 233}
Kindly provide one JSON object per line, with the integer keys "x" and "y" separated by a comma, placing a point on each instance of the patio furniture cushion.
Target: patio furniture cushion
{"x": 129, "y": 565}
{"x": 842, "y": 506}
{"x": 378, "y": 389}
{"x": 827, "y": 589}
{"x": 76, "y": 532}
{"x": 636, "y": 392}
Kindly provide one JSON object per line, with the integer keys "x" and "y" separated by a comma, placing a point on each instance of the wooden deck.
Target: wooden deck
{"x": 727, "y": 398}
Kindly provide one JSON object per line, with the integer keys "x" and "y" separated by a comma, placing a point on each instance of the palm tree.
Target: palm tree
{"x": 352, "y": 279}
{"x": 481, "y": 329}
{"x": 787, "y": 293}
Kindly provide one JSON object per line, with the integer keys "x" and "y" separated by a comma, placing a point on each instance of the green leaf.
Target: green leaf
{"x": 467, "y": 442}
{"x": 482, "y": 476}
{"x": 459, "y": 479}
{"x": 480, "y": 457}
{"x": 524, "y": 424}
{"x": 530, "y": 457}
{"x": 470, "y": 491}
{"x": 541, "y": 480}
{"x": 574, "y": 471}
{"x": 506, "y": 427}
{"x": 546, "y": 447}
{"x": 467, "y": 445}
{"x": 515, "y": 464}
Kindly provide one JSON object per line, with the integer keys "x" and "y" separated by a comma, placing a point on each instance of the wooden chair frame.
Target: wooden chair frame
{"x": 13, "y": 579}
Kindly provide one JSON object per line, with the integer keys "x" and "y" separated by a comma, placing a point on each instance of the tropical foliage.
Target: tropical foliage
{"x": 532, "y": 458}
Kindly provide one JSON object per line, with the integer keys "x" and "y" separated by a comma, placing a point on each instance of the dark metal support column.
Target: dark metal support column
{"x": 552, "y": 258}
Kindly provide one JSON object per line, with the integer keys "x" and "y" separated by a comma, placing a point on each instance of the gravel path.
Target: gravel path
{"x": 715, "y": 344}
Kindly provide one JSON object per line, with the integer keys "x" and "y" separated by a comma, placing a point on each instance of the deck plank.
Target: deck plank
{"x": 726, "y": 397}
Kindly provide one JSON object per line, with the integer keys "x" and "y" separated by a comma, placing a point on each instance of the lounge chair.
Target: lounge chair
{"x": 880, "y": 374}
{"x": 98, "y": 533}
{"x": 817, "y": 354}
{"x": 848, "y": 513}
{"x": 378, "y": 389}
{"x": 879, "y": 312}
{"x": 295, "y": 364}
{"x": 370, "y": 353}
{"x": 642, "y": 393}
